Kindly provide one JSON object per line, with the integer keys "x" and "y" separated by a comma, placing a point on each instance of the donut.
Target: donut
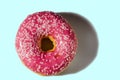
{"x": 45, "y": 43}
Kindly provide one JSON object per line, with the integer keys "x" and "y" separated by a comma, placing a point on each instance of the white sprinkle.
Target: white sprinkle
{"x": 38, "y": 69}
{"x": 41, "y": 62}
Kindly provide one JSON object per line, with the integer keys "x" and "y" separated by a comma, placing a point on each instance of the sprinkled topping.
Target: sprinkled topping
{"x": 30, "y": 33}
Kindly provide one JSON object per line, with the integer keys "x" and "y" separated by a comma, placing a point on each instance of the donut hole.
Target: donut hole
{"x": 47, "y": 44}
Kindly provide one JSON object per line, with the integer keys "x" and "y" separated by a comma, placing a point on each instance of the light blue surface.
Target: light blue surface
{"x": 103, "y": 14}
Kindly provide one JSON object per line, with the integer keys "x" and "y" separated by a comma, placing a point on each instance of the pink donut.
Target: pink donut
{"x": 46, "y": 43}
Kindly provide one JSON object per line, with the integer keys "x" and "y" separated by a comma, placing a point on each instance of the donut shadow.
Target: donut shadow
{"x": 87, "y": 42}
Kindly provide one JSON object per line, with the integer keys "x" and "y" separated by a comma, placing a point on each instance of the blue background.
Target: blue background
{"x": 103, "y": 14}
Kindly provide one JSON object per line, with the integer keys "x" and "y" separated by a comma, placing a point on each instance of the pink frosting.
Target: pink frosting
{"x": 45, "y": 24}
